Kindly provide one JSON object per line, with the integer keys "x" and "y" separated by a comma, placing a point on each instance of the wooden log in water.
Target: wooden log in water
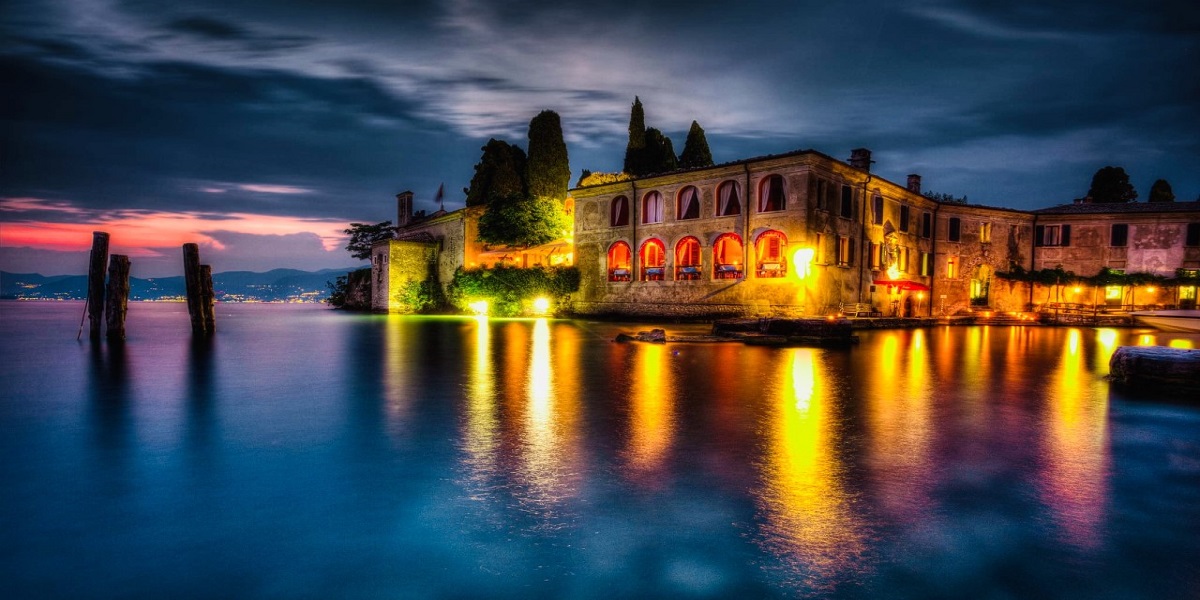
{"x": 116, "y": 301}
{"x": 207, "y": 300}
{"x": 191, "y": 278}
{"x": 95, "y": 301}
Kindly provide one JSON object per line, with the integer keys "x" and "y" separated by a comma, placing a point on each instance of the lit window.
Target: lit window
{"x": 770, "y": 194}
{"x": 875, "y": 255}
{"x": 652, "y": 208}
{"x": 688, "y": 204}
{"x": 769, "y": 250}
{"x": 687, "y": 259}
{"x": 985, "y": 233}
{"x": 845, "y": 251}
{"x": 620, "y": 211}
{"x": 926, "y": 264}
{"x": 951, "y": 267}
{"x": 728, "y": 199}
{"x": 727, "y": 257}
{"x": 619, "y": 256}
{"x": 652, "y": 260}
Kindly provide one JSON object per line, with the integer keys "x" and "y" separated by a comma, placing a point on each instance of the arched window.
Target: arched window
{"x": 770, "y": 194}
{"x": 769, "y": 251}
{"x": 652, "y": 208}
{"x": 687, "y": 205}
{"x": 687, "y": 259}
{"x": 652, "y": 257}
{"x": 727, "y": 257}
{"x": 620, "y": 212}
{"x": 619, "y": 259}
{"x": 729, "y": 199}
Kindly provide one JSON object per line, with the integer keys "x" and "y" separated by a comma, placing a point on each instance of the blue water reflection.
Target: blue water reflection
{"x": 307, "y": 453}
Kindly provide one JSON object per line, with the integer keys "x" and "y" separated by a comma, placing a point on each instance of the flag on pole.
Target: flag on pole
{"x": 441, "y": 194}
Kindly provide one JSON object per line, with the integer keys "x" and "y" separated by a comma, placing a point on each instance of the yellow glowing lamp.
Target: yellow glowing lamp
{"x": 802, "y": 259}
{"x": 479, "y": 307}
{"x": 1150, "y": 289}
{"x": 893, "y": 272}
{"x": 541, "y": 306}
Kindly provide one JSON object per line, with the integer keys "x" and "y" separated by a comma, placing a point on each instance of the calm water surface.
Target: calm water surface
{"x": 306, "y": 453}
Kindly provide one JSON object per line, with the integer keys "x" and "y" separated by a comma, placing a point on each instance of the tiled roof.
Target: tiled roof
{"x": 1089, "y": 208}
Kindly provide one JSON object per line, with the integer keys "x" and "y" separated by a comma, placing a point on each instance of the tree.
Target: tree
{"x": 363, "y": 235}
{"x": 659, "y": 153}
{"x": 547, "y": 172}
{"x": 945, "y": 198}
{"x": 500, "y": 173}
{"x": 1110, "y": 185}
{"x": 523, "y": 221}
{"x": 1161, "y": 192}
{"x": 637, "y": 138}
{"x": 695, "y": 150}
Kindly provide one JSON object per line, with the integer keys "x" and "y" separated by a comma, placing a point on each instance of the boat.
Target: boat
{"x": 1169, "y": 320}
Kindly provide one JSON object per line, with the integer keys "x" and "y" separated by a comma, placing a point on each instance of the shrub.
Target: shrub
{"x": 509, "y": 290}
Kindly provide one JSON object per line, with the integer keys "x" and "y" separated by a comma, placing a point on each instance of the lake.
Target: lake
{"x": 308, "y": 453}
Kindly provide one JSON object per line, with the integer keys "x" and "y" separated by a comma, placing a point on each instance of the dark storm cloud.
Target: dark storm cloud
{"x": 212, "y": 29}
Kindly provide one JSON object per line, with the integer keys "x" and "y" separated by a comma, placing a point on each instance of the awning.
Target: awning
{"x": 903, "y": 284}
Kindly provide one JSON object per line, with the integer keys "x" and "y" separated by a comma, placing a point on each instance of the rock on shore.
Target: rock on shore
{"x": 1156, "y": 365}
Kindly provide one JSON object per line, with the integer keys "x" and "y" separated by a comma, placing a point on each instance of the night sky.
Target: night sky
{"x": 261, "y": 128}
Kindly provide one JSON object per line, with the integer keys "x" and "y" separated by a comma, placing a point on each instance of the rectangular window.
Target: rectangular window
{"x": 926, "y": 224}
{"x": 903, "y": 259}
{"x": 843, "y": 251}
{"x": 875, "y": 255}
{"x": 877, "y": 210}
{"x": 820, "y": 243}
{"x": 926, "y": 264}
{"x": 954, "y": 229}
{"x": 903, "y": 225}
{"x": 985, "y": 233}
{"x": 1193, "y": 235}
{"x": 821, "y": 184}
{"x": 951, "y": 267}
{"x": 1052, "y": 235}
{"x": 847, "y": 202}
{"x": 1120, "y": 235}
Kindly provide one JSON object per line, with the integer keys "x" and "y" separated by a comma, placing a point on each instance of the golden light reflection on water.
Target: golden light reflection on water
{"x": 809, "y": 522}
{"x": 1076, "y": 469}
{"x": 651, "y": 422}
{"x": 898, "y": 414}
{"x": 398, "y": 371}
{"x": 549, "y": 438}
{"x": 481, "y": 436}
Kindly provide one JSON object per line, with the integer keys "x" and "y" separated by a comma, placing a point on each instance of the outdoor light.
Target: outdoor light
{"x": 1150, "y": 289}
{"x": 479, "y": 307}
{"x": 802, "y": 258}
{"x": 541, "y": 306}
{"x": 1077, "y": 290}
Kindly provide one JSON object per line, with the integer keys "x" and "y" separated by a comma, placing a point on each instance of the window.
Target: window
{"x": 954, "y": 229}
{"x": 985, "y": 233}
{"x": 877, "y": 210}
{"x": 926, "y": 264}
{"x": 875, "y": 256}
{"x": 769, "y": 250}
{"x": 951, "y": 267}
{"x": 652, "y": 258}
{"x": 1052, "y": 235}
{"x": 1193, "y": 235}
{"x": 770, "y": 194}
{"x": 728, "y": 199}
{"x": 822, "y": 187}
{"x": 652, "y": 208}
{"x": 687, "y": 205}
{"x": 903, "y": 225}
{"x": 819, "y": 242}
{"x": 847, "y": 209}
{"x": 619, "y": 256}
{"x": 903, "y": 261}
{"x": 727, "y": 257}
{"x": 620, "y": 212}
{"x": 845, "y": 251}
{"x": 687, "y": 259}
{"x": 926, "y": 224}
{"x": 1120, "y": 235}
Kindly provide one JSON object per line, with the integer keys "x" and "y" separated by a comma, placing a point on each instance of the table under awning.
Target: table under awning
{"x": 903, "y": 284}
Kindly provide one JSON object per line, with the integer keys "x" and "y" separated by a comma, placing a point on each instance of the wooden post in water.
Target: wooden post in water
{"x": 191, "y": 278}
{"x": 95, "y": 301}
{"x": 117, "y": 300}
{"x": 207, "y": 300}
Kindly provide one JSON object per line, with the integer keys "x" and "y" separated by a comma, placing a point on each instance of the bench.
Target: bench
{"x": 858, "y": 309}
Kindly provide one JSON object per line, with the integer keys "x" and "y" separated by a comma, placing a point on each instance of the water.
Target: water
{"x": 306, "y": 453}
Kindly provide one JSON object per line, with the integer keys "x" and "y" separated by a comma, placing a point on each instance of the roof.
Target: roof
{"x": 1091, "y": 208}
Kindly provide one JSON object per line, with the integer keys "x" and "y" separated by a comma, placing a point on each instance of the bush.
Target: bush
{"x": 509, "y": 290}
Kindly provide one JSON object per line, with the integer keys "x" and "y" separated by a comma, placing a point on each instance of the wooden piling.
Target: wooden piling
{"x": 117, "y": 300}
{"x": 191, "y": 278}
{"x": 207, "y": 300}
{"x": 95, "y": 299}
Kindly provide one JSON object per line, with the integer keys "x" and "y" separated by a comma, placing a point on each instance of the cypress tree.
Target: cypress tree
{"x": 547, "y": 172}
{"x": 1111, "y": 185}
{"x": 695, "y": 150}
{"x": 499, "y": 173}
{"x": 659, "y": 154}
{"x": 1161, "y": 192}
{"x": 634, "y": 150}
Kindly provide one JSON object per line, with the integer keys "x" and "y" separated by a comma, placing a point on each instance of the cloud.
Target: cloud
{"x": 267, "y": 188}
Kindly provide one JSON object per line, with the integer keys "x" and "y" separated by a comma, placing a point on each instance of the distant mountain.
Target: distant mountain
{"x": 277, "y": 285}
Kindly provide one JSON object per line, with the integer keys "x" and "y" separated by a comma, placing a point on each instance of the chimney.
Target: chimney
{"x": 404, "y": 209}
{"x": 914, "y": 183}
{"x": 860, "y": 158}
